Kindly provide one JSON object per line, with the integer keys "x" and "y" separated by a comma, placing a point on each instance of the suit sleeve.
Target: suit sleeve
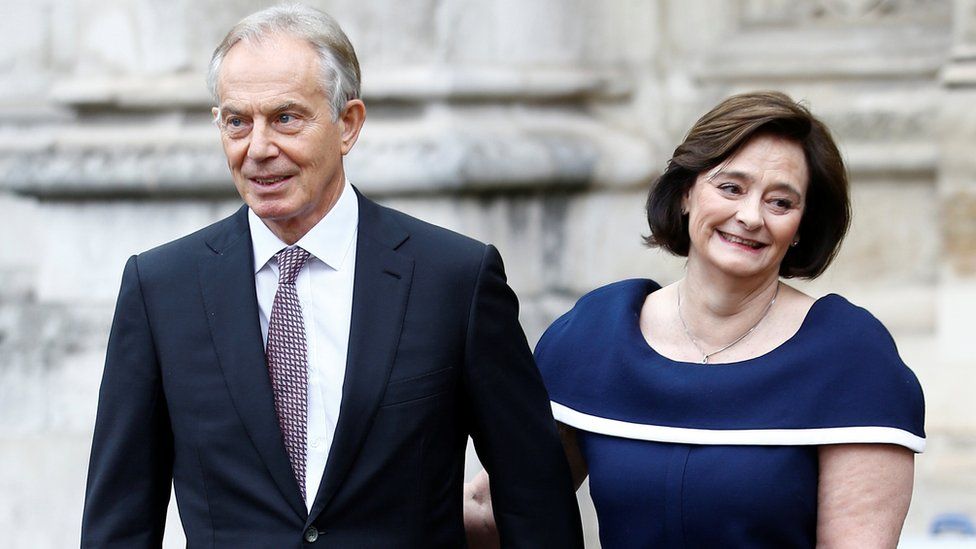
{"x": 512, "y": 424}
{"x": 130, "y": 471}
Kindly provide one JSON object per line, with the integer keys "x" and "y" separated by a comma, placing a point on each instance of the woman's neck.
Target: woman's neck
{"x": 717, "y": 307}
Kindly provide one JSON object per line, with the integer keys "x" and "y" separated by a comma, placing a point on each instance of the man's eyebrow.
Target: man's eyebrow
{"x": 289, "y": 106}
{"x": 229, "y": 109}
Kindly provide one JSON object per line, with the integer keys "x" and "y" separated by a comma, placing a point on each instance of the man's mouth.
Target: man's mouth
{"x": 267, "y": 181}
{"x": 754, "y": 244}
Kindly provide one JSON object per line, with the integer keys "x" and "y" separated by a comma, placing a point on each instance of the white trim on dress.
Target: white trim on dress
{"x": 751, "y": 437}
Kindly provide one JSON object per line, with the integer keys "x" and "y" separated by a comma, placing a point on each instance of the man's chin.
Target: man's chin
{"x": 269, "y": 210}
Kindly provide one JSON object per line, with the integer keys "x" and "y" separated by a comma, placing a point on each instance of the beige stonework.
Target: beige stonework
{"x": 536, "y": 126}
{"x": 960, "y": 233}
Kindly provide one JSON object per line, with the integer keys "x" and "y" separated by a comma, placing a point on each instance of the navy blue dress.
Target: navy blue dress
{"x": 721, "y": 455}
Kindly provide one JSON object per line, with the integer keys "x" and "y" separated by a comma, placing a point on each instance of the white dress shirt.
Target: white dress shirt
{"x": 325, "y": 292}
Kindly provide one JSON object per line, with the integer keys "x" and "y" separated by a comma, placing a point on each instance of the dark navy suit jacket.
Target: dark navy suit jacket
{"x": 435, "y": 354}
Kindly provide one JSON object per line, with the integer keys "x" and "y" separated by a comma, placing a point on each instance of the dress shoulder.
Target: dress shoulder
{"x": 839, "y": 379}
{"x": 865, "y": 376}
{"x": 567, "y": 335}
{"x": 573, "y": 351}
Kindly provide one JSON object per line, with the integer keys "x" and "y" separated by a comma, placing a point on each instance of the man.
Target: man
{"x": 307, "y": 371}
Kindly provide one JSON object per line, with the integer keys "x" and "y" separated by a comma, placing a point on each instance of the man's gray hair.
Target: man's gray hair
{"x": 337, "y": 58}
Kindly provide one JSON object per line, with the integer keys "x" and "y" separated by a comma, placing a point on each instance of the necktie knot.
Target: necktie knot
{"x": 290, "y": 261}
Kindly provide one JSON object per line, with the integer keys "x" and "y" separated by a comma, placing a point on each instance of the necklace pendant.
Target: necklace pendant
{"x": 745, "y": 334}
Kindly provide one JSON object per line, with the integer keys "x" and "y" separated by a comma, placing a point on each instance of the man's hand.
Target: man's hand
{"x": 479, "y": 520}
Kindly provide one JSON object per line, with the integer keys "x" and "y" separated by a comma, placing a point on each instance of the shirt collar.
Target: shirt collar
{"x": 329, "y": 240}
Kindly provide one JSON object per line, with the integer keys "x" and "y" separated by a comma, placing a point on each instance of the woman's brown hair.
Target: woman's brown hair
{"x": 721, "y": 132}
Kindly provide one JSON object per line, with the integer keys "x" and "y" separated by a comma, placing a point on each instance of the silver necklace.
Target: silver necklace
{"x": 694, "y": 341}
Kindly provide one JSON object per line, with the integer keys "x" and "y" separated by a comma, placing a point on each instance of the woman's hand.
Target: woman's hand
{"x": 479, "y": 520}
{"x": 577, "y": 465}
{"x": 863, "y": 495}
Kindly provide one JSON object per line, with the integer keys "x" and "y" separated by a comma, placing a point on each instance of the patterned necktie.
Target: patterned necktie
{"x": 288, "y": 360}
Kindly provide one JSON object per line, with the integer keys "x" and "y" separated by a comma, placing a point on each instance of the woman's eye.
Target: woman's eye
{"x": 782, "y": 204}
{"x": 730, "y": 188}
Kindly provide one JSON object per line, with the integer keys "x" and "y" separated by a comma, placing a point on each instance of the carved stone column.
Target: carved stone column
{"x": 957, "y": 193}
{"x": 949, "y": 387}
{"x": 957, "y": 188}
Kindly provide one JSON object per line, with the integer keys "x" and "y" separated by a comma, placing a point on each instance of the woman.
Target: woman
{"x": 730, "y": 409}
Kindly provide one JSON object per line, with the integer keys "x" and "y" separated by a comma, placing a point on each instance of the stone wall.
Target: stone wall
{"x": 535, "y": 125}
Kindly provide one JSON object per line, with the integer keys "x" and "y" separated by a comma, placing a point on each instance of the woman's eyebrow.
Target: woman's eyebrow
{"x": 734, "y": 174}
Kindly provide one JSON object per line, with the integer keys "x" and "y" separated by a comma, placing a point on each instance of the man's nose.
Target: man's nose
{"x": 262, "y": 145}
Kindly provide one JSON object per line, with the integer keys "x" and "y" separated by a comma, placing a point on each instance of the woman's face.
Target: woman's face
{"x": 744, "y": 214}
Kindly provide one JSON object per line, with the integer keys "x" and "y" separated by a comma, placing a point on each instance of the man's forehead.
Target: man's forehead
{"x": 273, "y": 44}
{"x": 273, "y": 63}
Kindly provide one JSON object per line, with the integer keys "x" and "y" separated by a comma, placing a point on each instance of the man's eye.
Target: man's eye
{"x": 235, "y": 122}
{"x": 285, "y": 118}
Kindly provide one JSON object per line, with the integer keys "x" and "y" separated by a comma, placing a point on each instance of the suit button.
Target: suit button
{"x": 311, "y": 534}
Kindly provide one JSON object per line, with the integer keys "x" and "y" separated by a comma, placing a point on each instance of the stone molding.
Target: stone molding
{"x": 395, "y": 84}
{"x": 960, "y": 72}
{"x": 842, "y": 12}
{"x": 446, "y": 152}
{"x": 464, "y": 131}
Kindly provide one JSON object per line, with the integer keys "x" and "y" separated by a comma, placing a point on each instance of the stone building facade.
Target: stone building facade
{"x": 533, "y": 124}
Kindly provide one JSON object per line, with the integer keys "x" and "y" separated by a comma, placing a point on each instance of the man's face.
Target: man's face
{"x": 283, "y": 149}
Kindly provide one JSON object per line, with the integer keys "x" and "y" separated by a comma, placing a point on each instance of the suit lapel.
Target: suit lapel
{"x": 380, "y": 290}
{"x": 227, "y": 283}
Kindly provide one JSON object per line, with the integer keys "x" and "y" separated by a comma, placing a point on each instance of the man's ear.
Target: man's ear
{"x": 350, "y": 123}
